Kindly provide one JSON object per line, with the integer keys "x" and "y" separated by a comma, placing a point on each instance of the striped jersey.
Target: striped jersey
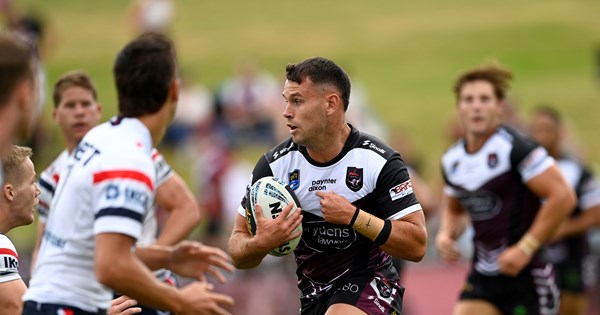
{"x": 490, "y": 186}
{"x": 9, "y": 260}
{"x": 106, "y": 186}
{"x": 370, "y": 175}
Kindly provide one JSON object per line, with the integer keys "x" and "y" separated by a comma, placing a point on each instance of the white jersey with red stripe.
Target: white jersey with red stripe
{"x": 9, "y": 260}
{"x": 107, "y": 186}
{"x": 48, "y": 182}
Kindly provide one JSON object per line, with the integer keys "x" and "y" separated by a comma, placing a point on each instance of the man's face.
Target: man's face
{"x": 305, "y": 111}
{"x": 478, "y": 107}
{"x": 77, "y": 113}
{"x": 545, "y": 131}
{"x": 25, "y": 194}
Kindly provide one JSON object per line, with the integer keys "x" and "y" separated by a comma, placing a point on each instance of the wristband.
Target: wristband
{"x": 385, "y": 233}
{"x": 528, "y": 244}
{"x": 354, "y": 217}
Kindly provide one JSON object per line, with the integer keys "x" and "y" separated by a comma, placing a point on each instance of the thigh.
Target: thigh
{"x": 475, "y": 307}
{"x": 344, "y": 309}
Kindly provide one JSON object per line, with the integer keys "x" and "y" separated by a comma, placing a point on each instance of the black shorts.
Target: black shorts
{"x": 533, "y": 291}
{"x": 35, "y": 308}
{"x": 373, "y": 293}
{"x": 569, "y": 275}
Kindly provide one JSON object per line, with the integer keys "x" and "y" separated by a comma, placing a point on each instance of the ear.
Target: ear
{"x": 174, "y": 90}
{"x": 7, "y": 191}
{"x": 334, "y": 103}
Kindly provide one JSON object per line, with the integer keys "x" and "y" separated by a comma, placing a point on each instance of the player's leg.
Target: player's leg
{"x": 343, "y": 309}
{"x": 475, "y": 307}
{"x": 572, "y": 303}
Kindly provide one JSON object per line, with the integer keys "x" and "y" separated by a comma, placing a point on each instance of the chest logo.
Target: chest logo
{"x": 354, "y": 178}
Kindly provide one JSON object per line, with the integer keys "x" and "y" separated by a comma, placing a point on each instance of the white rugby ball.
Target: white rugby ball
{"x": 272, "y": 195}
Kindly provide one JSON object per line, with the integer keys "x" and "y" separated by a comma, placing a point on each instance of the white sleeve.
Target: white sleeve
{"x": 9, "y": 260}
{"x": 163, "y": 169}
{"x": 535, "y": 163}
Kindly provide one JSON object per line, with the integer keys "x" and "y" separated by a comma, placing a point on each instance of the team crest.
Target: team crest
{"x": 294, "y": 181}
{"x": 354, "y": 178}
{"x": 492, "y": 160}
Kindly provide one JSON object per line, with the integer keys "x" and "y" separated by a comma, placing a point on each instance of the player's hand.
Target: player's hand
{"x": 335, "y": 208}
{"x": 193, "y": 259}
{"x": 270, "y": 234}
{"x": 447, "y": 248}
{"x": 123, "y": 305}
{"x": 199, "y": 298}
{"x": 512, "y": 260}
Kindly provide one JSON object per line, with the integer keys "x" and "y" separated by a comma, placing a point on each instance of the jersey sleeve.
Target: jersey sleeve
{"x": 9, "y": 260}
{"x": 47, "y": 184}
{"x": 123, "y": 193}
{"x": 163, "y": 169}
{"x": 394, "y": 191}
{"x": 529, "y": 159}
{"x": 261, "y": 169}
{"x": 588, "y": 191}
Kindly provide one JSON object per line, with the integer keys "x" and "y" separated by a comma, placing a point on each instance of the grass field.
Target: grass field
{"x": 406, "y": 53}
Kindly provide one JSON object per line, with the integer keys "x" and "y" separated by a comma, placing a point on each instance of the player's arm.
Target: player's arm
{"x": 184, "y": 213}
{"x": 408, "y": 238}
{"x": 248, "y": 251}
{"x": 559, "y": 198}
{"x": 118, "y": 268}
{"x": 11, "y": 296}
{"x": 453, "y": 222}
{"x": 579, "y": 224}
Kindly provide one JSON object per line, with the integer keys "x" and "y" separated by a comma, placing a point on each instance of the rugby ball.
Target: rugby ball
{"x": 272, "y": 195}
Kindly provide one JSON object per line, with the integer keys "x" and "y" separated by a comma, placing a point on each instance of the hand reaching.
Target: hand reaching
{"x": 123, "y": 305}
{"x": 193, "y": 259}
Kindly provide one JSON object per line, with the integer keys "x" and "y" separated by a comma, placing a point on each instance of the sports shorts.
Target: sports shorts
{"x": 35, "y": 308}
{"x": 372, "y": 292}
{"x": 533, "y": 291}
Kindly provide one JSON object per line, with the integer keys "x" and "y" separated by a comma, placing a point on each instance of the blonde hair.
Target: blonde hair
{"x": 12, "y": 163}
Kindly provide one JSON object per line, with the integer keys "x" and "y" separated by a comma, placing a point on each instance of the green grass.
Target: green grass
{"x": 406, "y": 53}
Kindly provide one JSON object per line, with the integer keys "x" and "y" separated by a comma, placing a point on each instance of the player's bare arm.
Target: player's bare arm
{"x": 407, "y": 237}
{"x": 175, "y": 197}
{"x": 452, "y": 225}
{"x": 129, "y": 276}
{"x": 11, "y": 294}
{"x": 248, "y": 251}
{"x": 559, "y": 203}
{"x": 579, "y": 224}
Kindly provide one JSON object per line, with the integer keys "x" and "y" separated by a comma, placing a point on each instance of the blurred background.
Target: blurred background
{"x": 402, "y": 58}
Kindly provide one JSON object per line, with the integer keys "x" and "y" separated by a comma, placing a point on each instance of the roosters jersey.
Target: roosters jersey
{"x": 106, "y": 186}
{"x": 48, "y": 182}
{"x": 367, "y": 173}
{"x": 9, "y": 260}
{"x": 490, "y": 186}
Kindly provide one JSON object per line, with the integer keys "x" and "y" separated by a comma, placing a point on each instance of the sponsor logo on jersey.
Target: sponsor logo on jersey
{"x": 294, "y": 179}
{"x": 492, "y": 160}
{"x": 481, "y": 205}
{"x": 282, "y": 151}
{"x": 401, "y": 190}
{"x": 354, "y": 178}
{"x": 322, "y": 237}
{"x": 454, "y": 167}
{"x": 372, "y": 146}
{"x": 321, "y": 184}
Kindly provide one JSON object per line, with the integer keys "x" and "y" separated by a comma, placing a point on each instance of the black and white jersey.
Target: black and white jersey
{"x": 587, "y": 189}
{"x": 367, "y": 173}
{"x": 490, "y": 185}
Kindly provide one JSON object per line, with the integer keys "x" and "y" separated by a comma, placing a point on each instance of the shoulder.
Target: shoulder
{"x": 364, "y": 141}
{"x": 6, "y": 243}
{"x": 281, "y": 150}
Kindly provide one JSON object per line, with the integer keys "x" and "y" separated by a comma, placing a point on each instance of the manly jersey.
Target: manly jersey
{"x": 9, "y": 260}
{"x": 490, "y": 186}
{"x": 106, "y": 186}
{"x": 587, "y": 189}
{"x": 47, "y": 183}
{"x": 370, "y": 175}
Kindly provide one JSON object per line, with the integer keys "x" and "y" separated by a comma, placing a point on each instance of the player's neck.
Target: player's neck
{"x": 475, "y": 141}
{"x": 332, "y": 144}
{"x": 5, "y": 224}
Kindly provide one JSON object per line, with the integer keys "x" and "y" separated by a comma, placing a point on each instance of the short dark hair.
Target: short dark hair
{"x": 76, "y": 78}
{"x": 551, "y": 112}
{"x": 16, "y": 64}
{"x": 144, "y": 71}
{"x": 13, "y": 163}
{"x": 497, "y": 76}
{"x": 321, "y": 71}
